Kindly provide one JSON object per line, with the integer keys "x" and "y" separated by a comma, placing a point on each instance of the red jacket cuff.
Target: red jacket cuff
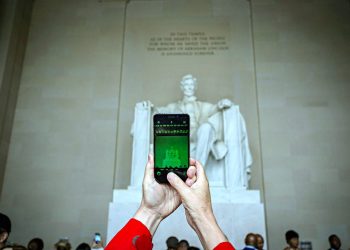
{"x": 224, "y": 246}
{"x": 134, "y": 235}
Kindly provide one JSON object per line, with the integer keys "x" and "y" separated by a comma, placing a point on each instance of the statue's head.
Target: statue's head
{"x": 188, "y": 85}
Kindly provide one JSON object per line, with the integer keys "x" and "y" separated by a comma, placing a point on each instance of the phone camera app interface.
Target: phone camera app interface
{"x": 171, "y": 144}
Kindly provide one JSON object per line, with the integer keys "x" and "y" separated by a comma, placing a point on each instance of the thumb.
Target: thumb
{"x": 177, "y": 183}
{"x": 149, "y": 171}
{"x": 200, "y": 172}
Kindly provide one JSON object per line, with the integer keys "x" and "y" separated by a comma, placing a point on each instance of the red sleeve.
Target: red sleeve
{"x": 133, "y": 236}
{"x": 224, "y": 246}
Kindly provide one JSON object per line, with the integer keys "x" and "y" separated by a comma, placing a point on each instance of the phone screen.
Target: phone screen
{"x": 171, "y": 145}
{"x": 97, "y": 238}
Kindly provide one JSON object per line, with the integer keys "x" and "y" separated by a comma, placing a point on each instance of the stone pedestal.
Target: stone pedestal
{"x": 238, "y": 212}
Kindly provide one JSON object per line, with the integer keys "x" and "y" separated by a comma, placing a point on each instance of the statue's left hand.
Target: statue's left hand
{"x": 224, "y": 103}
{"x": 144, "y": 105}
{"x": 159, "y": 200}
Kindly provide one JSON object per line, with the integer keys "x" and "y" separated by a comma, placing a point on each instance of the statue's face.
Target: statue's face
{"x": 188, "y": 87}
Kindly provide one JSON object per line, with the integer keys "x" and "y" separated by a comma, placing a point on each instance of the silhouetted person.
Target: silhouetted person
{"x": 334, "y": 242}
{"x": 259, "y": 242}
{"x": 250, "y": 242}
{"x": 193, "y": 248}
{"x": 63, "y": 244}
{"x": 5, "y": 229}
{"x": 183, "y": 245}
{"x": 292, "y": 239}
{"x": 172, "y": 242}
{"x": 36, "y": 244}
{"x": 83, "y": 246}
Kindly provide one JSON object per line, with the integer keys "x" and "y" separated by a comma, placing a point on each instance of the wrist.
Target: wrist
{"x": 149, "y": 218}
{"x": 209, "y": 231}
{"x": 202, "y": 214}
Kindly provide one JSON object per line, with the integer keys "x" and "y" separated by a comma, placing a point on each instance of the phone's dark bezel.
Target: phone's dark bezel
{"x": 181, "y": 172}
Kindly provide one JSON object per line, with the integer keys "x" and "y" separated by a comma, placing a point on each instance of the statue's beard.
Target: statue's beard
{"x": 190, "y": 98}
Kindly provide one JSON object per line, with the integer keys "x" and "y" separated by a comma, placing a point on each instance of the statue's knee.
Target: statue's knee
{"x": 205, "y": 127}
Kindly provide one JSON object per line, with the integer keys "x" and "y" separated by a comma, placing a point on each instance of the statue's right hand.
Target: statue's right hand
{"x": 225, "y": 103}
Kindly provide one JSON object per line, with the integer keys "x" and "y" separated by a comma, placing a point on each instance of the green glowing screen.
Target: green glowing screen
{"x": 171, "y": 141}
{"x": 171, "y": 151}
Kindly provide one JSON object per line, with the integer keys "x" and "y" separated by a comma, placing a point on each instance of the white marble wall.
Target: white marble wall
{"x": 303, "y": 74}
{"x": 14, "y": 26}
{"x": 59, "y": 173}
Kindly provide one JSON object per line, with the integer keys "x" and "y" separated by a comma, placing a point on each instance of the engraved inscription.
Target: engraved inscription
{"x": 187, "y": 44}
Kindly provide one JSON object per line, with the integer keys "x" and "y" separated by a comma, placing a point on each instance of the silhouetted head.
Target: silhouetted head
{"x": 36, "y": 244}
{"x": 250, "y": 239}
{"x": 5, "y": 229}
{"x": 259, "y": 242}
{"x": 183, "y": 245}
{"x": 63, "y": 244}
{"x": 292, "y": 238}
{"x": 193, "y": 248}
{"x": 172, "y": 242}
{"x": 334, "y": 241}
{"x": 83, "y": 246}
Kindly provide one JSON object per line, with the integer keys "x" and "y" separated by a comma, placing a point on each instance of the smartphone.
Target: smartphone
{"x": 97, "y": 238}
{"x": 171, "y": 145}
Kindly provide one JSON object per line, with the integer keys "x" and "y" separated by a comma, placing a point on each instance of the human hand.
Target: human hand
{"x": 96, "y": 245}
{"x": 196, "y": 199}
{"x": 198, "y": 208}
{"x": 224, "y": 103}
{"x": 158, "y": 200}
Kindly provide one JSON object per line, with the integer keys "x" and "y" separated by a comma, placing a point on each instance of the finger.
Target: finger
{"x": 149, "y": 171}
{"x": 177, "y": 184}
{"x": 189, "y": 182}
{"x": 192, "y": 162}
{"x": 191, "y": 172}
{"x": 191, "y": 176}
{"x": 200, "y": 173}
